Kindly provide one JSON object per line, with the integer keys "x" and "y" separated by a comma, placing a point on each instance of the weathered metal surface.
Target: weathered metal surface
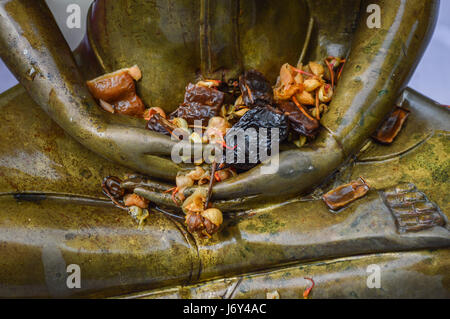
{"x": 412, "y": 210}
{"x": 52, "y": 213}
{"x": 69, "y": 223}
{"x": 362, "y": 100}
{"x": 345, "y": 194}
{"x": 31, "y": 41}
{"x": 422, "y": 274}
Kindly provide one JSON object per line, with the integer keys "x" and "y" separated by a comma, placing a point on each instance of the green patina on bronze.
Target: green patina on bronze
{"x": 67, "y": 220}
{"x": 71, "y": 222}
{"x": 333, "y": 279}
{"x": 167, "y": 41}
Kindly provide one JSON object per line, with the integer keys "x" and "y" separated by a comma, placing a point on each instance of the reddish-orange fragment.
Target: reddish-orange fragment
{"x": 308, "y": 290}
{"x": 345, "y": 194}
{"x": 135, "y": 200}
{"x": 119, "y": 91}
{"x": 390, "y": 128}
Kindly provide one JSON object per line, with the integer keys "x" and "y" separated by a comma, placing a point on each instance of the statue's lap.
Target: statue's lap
{"x": 53, "y": 214}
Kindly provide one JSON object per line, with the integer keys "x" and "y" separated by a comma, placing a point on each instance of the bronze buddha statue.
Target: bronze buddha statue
{"x": 57, "y": 145}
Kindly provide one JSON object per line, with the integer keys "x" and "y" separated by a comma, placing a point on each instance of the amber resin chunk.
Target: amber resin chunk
{"x": 390, "y": 128}
{"x": 116, "y": 92}
{"x": 345, "y": 194}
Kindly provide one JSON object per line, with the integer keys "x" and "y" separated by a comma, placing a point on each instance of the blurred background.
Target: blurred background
{"x": 425, "y": 79}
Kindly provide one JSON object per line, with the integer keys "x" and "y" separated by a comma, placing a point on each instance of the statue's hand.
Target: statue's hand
{"x": 130, "y": 145}
{"x": 35, "y": 51}
{"x": 379, "y": 64}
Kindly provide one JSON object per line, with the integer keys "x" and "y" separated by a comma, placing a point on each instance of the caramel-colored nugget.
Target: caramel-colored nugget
{"x": 116, "y": 92}
{"x": 345, "y": 194}
{"x": 390, "y": 128}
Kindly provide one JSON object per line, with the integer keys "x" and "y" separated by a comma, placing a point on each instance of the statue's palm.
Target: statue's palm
{"x": 173, "y": 45}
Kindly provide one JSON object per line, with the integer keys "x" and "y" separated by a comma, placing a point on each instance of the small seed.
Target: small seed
{"x": 305, "y": 98}
{"x": 213, "y": 215}
{"x": 311, "y": 85}
{"x": 325, "y": 93}
{"x": 316, "y": 68}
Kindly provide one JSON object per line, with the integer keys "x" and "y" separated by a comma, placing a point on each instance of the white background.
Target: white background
{"x": 431, "y": 78}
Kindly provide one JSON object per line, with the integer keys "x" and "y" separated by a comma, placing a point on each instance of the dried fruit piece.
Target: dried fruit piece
{"x": 106, "y": 106}
{"x": 195, "y": 138}
{"x": 111, "y": 187}
{"x": 209, "y": 83}
{"x": 196, "y": 174}
{"x": 135, "y": 72}
{"x": 183, "y": 182}
{"x": 255, "y": 88}
{"x": 390, "y": 128}
{"x": 180, "y": 123}
{"x": 224, "y": 174}
{"x": 246, "y": 133}
{"x": 204, "y": 179}
{"x": 194, "y": 221}
{"x": 345, "y": 194}
{"x": 241, "y": 112}
{"x": 159, "y": 124}
{"x": 200, "y": 103}
{"x": 117, "y": 92}
{"x": 298, "y": 121}
{"x": 213, "y": 215}
{"x": 300, "y": 142}
{"x": 311, "y": 84}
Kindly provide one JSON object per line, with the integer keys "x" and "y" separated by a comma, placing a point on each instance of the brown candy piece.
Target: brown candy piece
{"x": 298, "y": 121}
{"x": 200, "y": 103}
{"x": 119, "y": 91}
{"x": 390, "y": 128}
{"x": 345, "y": 194}
{"x": 159, "y": 124}
{"x": 256, "y": 89}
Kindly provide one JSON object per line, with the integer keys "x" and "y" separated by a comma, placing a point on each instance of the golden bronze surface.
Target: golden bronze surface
{"x": 57, "y": 145}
